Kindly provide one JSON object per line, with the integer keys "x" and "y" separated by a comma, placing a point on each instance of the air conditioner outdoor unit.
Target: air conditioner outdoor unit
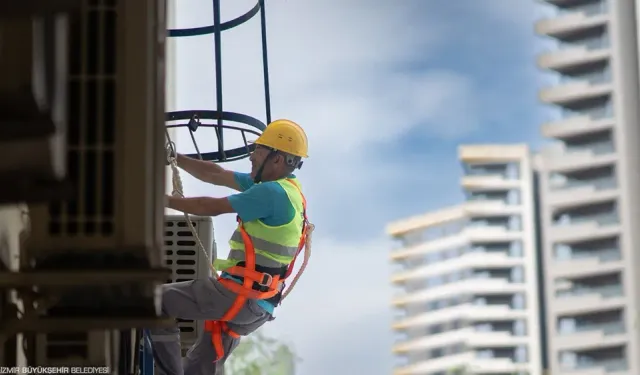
{"x": 110, "y": 230}
{"x": 187, "y": 262}
{"x": 112, "y": 226}
{"x": 115, "y": 138}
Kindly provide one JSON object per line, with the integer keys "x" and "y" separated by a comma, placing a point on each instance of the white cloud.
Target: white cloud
{"x": 335, "y": 69}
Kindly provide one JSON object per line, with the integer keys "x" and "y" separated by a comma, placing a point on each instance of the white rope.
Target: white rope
{"x": 307, "y": 255}
{"x": 178, "y": 190}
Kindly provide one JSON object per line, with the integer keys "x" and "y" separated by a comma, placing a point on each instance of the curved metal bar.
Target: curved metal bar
{"x": 208, "y": 114}
{"x": 220, "y": 155}
{"x": 211, "y": 29}
{"x": 242, "y": 130}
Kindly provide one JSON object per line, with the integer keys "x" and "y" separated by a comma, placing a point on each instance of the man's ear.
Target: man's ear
{"x": 279, "y": 159}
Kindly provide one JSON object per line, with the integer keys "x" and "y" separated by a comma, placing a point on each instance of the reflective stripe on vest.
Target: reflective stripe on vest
{"x": 275, "y": 246}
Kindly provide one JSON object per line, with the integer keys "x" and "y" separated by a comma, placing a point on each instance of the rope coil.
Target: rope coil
{"x": 178, "y": 190}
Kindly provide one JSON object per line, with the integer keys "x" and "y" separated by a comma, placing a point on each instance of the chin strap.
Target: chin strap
{"x": 258, "y": 178}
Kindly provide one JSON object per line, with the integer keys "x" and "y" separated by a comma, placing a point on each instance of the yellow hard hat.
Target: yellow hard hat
{"x": 285, "y": 136}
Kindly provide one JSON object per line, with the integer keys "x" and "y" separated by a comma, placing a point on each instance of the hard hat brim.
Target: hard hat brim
{"x": 262, "y": 144}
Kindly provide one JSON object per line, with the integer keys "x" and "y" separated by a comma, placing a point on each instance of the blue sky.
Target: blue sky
{"x": 386, "y": 90}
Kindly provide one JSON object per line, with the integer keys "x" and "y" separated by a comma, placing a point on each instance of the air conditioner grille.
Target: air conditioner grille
{"x": 92, "y": 123}
{"x": 186, "y": 261}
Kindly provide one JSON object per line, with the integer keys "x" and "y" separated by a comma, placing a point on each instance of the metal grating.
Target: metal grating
{"x": 91, "y": 129}
{"x": 187, "y": 262}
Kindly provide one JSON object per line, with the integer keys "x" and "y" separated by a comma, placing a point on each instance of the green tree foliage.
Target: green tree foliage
{"x": 258, "y": 354}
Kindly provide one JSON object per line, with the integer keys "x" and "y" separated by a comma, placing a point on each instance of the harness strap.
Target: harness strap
{"x": 274, "y": 284}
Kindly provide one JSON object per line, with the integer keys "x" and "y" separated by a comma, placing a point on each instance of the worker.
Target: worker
{"x": 272, "y": 223}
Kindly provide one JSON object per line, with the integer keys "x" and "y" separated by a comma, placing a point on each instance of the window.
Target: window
{"x": 513, "y": 197}
{"x": 518, "y": 301}
{"x": 519, "y": 328}
{"x": 521, "y": 354}
{"x": 513, "y": 171}
{"x": 517, "y": 274}
{"x": 566, "y": 325}
{"x": 568, "y": 360}
{"x": 563, "y": 252}
{"x": 515, "y": 223}
{"x": 484, "y": 327}
{"x": 515, "y": 249}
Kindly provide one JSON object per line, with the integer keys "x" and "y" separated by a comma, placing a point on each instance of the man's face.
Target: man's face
{"x": 257, "y": 158}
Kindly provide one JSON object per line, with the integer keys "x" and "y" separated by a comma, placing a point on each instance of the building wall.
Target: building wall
{"x": 589, "y": 184}
{"x": 468, "y": 273}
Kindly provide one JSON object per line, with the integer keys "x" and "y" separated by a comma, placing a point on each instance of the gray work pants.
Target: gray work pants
{"x": 205, "y": 299}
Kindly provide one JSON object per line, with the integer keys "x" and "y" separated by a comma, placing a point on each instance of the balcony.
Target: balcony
{"x": 490, "y": 234}
{"x": 465, "y": 261}
{"x": 468, "y": 286}
{"x": 490, "y": 208}
{"x": 575, "y": 91}
{"x": 573, "y": 21}
{"x": 598, "y": 366}
{"x": 585, "y": 228}
{"x": 489, "y": 182}
{"x": 498, "y": 366}
{"x": 592, "y": 336}
{"x": 463, "y": 312}
{"x": 429, "y": 247}
{"x": 612, "y": 254}
{"x": 433, "y": 341}
{"x": 581, "y": 300}
{"x": 442, "y": 364}
{"x": 495, "y": 339}
{"x": 570, "y": 56}
{"x": 583, "y": 192}
{"x": 573, "y": 126}
{"x": 559, "y": 158}
{"x": 606, "y": 262}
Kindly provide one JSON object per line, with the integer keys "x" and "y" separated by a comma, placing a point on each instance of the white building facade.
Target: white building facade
{"x": 590, "y": 187}
{"x": 468, "y": 274}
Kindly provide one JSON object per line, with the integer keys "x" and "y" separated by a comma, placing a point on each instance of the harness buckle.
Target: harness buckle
{"x": 266, "y": 281}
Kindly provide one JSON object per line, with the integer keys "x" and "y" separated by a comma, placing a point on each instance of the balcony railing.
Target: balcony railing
{"x": 590, "y": 44}
{"x": 611, "y": 328}
{"x": 605, "y": 291}
{"x": 598, "y": 184}
{"x": 594, "y": 78}
{"x": 602, "y": 255}
{"x": 594, "y": 113}
{"x": 609, "y": 365}
{"x": 589, "y": 9}
{"x": 596, "y": 148}
{"x": 601, "y": 220}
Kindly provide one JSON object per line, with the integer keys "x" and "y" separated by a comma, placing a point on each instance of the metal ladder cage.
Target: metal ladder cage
{"x": 219, "y": 116}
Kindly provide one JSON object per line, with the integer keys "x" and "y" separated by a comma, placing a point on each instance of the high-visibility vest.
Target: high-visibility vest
{"x": 260, "y": 245}
{"x": 275, "y": 246}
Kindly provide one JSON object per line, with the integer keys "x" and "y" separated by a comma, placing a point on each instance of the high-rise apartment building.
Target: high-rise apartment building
{"x": 590, "y": 187}
{"x": 468, "y": 274}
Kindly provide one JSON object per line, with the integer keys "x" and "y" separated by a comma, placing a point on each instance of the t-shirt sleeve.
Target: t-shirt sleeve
{"x": 257, "y": 202}
{"x": 243, "y": 180}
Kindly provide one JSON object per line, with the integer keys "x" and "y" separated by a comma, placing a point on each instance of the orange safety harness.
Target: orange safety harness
{"x": 245, "y": 290}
